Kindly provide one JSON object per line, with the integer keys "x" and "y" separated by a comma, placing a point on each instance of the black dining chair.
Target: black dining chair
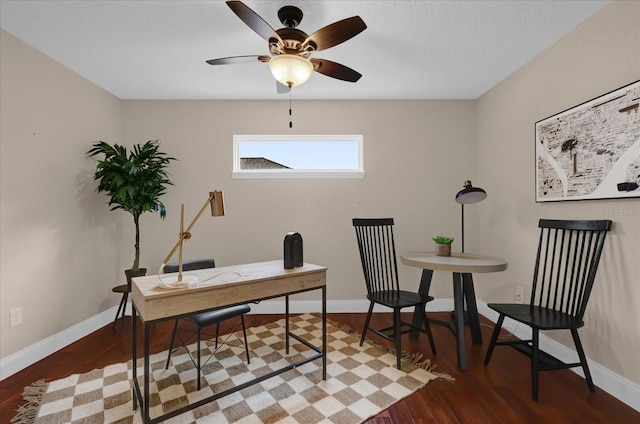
{"x": 565, "y": 269}
{"x": 379, "y": 265}
{"x": 205, "y": 319}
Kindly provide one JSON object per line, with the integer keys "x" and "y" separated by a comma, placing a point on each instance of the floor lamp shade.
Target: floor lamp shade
{"x": 469, "y": 194}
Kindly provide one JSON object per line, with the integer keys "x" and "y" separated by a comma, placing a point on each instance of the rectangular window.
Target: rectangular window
{"x": 297, "y": 156}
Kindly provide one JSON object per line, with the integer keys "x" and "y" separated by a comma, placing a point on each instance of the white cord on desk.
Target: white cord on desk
{"x": 192, "y": 283}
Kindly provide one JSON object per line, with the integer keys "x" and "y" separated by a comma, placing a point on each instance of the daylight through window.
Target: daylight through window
{"x": 299, "y": 156}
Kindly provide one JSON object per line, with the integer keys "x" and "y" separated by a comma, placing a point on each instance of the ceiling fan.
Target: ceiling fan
{"x": 291, "y": 48}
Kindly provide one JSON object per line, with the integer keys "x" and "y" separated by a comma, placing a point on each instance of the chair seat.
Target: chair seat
{"x": 536, "y": 316}
{"x": 399, "y": 299}
{"x": 208, "y": 318}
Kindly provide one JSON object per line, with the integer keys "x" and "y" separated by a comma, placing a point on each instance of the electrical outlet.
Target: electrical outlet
{"x": 519, "y": 294}
{"x": 15, "y": 317}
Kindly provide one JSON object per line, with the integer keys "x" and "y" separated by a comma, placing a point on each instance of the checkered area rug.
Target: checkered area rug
{"x": 361, "y": 382}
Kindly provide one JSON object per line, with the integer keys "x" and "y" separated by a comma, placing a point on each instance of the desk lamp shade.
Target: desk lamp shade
{"x": 216, "y": 202}
{"x": 469, "y": 194}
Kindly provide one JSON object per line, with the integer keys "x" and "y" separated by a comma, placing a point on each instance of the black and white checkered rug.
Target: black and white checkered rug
{"x": 361, "y": 382}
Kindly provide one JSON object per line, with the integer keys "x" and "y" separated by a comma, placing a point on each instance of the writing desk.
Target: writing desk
{"x": 220, "y": 287}
{"x": 462, "y": 265}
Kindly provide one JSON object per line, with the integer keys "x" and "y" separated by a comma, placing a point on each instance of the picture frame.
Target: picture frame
{"x": 591, "y": 151}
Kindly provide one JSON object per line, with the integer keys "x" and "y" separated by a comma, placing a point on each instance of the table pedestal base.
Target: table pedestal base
{"x": 463, "y": 291}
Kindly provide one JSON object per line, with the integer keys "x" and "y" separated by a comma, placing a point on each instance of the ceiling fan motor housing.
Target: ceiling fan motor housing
{"x": 293, "y": 40}
{"x": 290, "y": 16}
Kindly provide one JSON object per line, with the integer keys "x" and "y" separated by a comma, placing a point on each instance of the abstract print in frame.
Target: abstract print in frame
{"x": 591, "y": 151}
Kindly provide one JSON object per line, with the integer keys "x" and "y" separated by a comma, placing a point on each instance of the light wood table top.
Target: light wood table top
{"x": 224, "y": 286}
{"x": 457, "y": 262}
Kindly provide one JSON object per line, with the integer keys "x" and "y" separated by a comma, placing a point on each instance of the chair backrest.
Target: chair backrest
{"x": 191, "y": 265}
{"x": 566, "y": 264}
{"x": 377, "y": 253}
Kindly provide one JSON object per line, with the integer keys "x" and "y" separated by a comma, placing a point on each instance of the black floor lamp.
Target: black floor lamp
{"x": 469, "y": 194}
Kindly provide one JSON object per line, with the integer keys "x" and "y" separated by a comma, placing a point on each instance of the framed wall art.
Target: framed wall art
{"x": 591, "y": 151}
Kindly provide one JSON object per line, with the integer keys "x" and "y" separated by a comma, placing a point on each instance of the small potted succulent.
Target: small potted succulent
{"x": 443, "y": 245}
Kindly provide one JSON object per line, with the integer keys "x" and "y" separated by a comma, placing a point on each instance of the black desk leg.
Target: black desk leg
{"x": 286, "y": 324}
{"x": 458, "y": 303}
{"x": 425, "y": 285}
{"x": 324, "y": 333}
{"x": 472, "y": 308}
{"x": 134, "y": 355}
{"x": 145, "y": 408}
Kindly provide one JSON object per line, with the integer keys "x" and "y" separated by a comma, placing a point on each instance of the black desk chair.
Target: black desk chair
{"x": 205, "y": 319}
{"x": 565, "y": 269}
{"x": 380, "y": 268}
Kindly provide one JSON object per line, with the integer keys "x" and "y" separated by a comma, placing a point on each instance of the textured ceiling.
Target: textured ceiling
{"x": 411, "y": 49}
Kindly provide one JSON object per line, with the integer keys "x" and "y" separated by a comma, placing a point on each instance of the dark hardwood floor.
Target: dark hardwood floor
{"x": 498, "y": 393}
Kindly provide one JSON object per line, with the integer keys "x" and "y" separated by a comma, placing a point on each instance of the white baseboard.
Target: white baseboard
{"x": 21, "y": 359}
{"x": 614, "y": 384}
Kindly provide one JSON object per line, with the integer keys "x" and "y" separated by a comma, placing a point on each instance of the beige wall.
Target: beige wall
{"x": 415, "y": 155}
{"x": 599, "y": 56}
{"x": 58, "y": 243}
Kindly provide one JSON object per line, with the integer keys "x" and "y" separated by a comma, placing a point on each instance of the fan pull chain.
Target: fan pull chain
{"x": 290, "y": 119}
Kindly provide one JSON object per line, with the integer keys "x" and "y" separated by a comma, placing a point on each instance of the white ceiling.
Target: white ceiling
{"x": 156, "y": 49}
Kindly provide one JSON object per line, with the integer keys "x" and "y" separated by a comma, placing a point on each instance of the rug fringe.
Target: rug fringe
{"x": 415, "y": 359}
{"x": 340, "y": 326}
{"x": 32, "y": 394}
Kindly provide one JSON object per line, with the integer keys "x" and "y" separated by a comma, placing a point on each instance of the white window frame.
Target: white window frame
{"x": 239, "y": 173}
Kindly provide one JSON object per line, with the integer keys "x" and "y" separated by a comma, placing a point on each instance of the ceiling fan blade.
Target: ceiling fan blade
{"x": 238, "y": 59}
{"x": 335, "y": 70}
{"x": 336, "y": 33}
{"x": 253, "y": 20}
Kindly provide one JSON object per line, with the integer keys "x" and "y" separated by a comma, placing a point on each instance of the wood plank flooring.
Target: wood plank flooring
{"x": 497, "y": 393}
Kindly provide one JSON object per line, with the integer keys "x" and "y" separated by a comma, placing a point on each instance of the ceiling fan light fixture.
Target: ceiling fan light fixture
{"x": 290, "y": 69}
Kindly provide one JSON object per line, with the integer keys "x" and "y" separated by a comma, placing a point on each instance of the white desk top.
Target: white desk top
{"x": 457, "y": 262}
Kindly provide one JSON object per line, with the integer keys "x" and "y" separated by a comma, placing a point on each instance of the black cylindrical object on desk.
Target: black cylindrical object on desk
{"x": 292, "y": 250}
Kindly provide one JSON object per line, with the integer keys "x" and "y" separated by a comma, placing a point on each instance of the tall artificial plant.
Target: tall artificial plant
{"x": 134, "y": 180}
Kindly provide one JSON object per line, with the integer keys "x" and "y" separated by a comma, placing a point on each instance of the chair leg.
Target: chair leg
{"x": 583, "y": 360}
{"x": 397, "y": 336}
{"x": 198, "y": 366}
{"x": 494, "y": 339}
{"x": 428, "y": 328}
{"x": 535, "y": 354}
{"x": 173, "y": 340}
{"x": 366, "y": 324}
{"x": 244, "y": 333}
{"x": 217, "y": 332}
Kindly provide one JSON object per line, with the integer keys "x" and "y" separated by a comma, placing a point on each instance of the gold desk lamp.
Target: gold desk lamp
{"x": 217, "y": 209}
